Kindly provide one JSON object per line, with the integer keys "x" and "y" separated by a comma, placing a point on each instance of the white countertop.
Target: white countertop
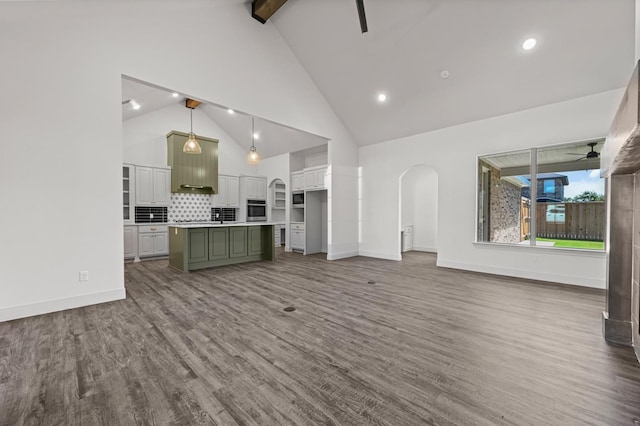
{"x": 218, "y": 224}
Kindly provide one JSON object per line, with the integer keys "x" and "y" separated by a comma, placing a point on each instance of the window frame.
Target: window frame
{"x": 533, "y": 170}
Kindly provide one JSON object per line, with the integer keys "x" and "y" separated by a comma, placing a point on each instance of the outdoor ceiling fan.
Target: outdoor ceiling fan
{"x": 589, "y": 155}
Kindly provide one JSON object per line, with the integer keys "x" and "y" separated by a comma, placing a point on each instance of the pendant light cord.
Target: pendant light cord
{"x": 191, "y": 109}
{"x": 253, "y": 134}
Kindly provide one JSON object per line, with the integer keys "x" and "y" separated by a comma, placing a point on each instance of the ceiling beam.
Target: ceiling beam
{"x": 192, "y": 103}
{"x": 262, "y": 10}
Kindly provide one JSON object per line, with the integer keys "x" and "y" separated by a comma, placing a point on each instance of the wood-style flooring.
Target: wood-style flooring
{"x": 421, "y": 345}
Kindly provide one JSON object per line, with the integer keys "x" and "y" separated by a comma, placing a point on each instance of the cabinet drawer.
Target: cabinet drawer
{"x": 152, "y": 228}
{"x": 297, "y": 226}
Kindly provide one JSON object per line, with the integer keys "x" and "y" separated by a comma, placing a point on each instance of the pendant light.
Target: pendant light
{"x": 191, "y": 146}
{"x": 253, "y": 157}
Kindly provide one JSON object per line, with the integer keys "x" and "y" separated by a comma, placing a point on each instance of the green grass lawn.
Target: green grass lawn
{"x": 593, "y": 245}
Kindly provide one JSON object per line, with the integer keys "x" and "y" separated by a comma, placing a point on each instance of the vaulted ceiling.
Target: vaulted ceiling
{"x": 584, "y": 47}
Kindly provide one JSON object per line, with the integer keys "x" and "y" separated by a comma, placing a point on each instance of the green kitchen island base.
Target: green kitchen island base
{"x": 198, "y": 247}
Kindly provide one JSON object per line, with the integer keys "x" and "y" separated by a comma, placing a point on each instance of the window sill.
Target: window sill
{"x": 555, "y": 250}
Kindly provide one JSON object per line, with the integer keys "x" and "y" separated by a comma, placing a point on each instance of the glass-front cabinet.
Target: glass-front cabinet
{"x": 128, "y": 195}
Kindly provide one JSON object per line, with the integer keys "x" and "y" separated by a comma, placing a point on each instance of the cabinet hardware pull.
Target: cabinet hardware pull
{"x": 153, "y": 229}
{"x": 196, "y": 187}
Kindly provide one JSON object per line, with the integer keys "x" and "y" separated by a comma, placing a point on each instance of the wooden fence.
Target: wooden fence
{"x": 571, "y": 221}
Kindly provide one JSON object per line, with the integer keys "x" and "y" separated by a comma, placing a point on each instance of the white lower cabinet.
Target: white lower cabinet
{"x": 153, "y": 240}
{"x": 130, "y": 242}
{"x": 297, "y": 236}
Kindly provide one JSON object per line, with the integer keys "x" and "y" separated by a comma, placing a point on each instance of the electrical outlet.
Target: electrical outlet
{"x": 84, "y": 276}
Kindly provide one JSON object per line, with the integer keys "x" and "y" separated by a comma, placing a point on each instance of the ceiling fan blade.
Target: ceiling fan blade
{"x": 362, "y": 16}
{"x": 581, "y": 158}
{"x": 573, "y": 153}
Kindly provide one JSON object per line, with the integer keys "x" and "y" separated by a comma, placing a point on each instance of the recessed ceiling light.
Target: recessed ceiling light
{"x": 230, "y": 111}
{"x": 529, "y": 43}
{"x": 382, "y": 97}
{"x": 444, "y": 74}
{"x": 175, "y": 94}
{"x": 135, "y": 105}
{"x": 256, "y": 135}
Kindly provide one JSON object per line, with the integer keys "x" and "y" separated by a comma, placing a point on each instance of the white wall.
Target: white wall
{"x": 452, "y": 154}
{"x": 61, "y": 98}
{"x": 144, "y": 139}
{"x": 342, "y": 200}
{"x": 419, "y": 187}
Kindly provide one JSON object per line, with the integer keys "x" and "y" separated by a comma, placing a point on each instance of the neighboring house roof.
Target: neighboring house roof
{"x": 564, "y": 179}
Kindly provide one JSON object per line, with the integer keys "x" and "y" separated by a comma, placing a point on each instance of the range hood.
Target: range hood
{"x": 192, "y": 173}
{"x": 621, "y": 152}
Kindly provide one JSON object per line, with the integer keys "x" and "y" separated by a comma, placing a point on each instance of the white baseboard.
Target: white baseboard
{"x": 337, "y": 256}
{"x": 532, "y": 275}
{"x": 378, "y": 255}
{"x": 15, "y": 312}
{"x": 424, "y": 248}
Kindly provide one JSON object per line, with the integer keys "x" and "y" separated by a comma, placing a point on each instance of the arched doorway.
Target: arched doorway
{"x": 418, "y": 209}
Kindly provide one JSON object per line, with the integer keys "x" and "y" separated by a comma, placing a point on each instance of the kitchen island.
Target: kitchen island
{"x": 205, "y": 245}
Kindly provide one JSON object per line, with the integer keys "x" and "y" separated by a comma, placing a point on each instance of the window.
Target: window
{"x": 549, "y": 186}
{"x": 563, "y": 206}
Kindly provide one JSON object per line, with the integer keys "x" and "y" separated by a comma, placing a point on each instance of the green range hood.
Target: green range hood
{"x": 192, "y": 173}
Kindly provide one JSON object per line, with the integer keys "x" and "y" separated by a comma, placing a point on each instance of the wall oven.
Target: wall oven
{"x": 256, "y": 211}
{"x": 297, "y": 199}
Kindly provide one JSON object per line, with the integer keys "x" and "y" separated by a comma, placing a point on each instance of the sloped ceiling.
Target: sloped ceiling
{"x": 584, "y": 47}
{"x": 273, "y": 139}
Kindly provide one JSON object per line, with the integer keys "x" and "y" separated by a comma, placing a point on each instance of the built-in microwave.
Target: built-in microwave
{"x": 256, "y": 211}
{"x": 297, "y": 199}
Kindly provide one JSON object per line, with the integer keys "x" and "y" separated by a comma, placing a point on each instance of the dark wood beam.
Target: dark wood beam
{"x": 192, "y": 103}
{"x": 262, "y": 10}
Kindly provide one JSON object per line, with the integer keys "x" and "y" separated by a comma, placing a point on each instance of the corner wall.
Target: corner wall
{"x": 453, "y": 152}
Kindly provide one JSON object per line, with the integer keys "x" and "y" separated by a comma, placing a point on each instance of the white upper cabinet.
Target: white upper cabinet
{"x": 254, "y": 188}
{"x": 314, "y": 178}
{"x": 153, "y": 186}
{"x": 228, "y": 192}
{"x": 297, "y": 181}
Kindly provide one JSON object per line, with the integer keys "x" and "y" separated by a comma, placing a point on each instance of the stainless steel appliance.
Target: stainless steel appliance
{"x": 256, "y": 211}
{"x": 297, "y": 199}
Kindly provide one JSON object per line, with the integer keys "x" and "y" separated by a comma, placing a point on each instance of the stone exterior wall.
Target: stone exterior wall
{"x": 504, "y": 210}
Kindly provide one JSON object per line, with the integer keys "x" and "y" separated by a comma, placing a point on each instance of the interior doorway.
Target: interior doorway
{"x": 418, "y": 209}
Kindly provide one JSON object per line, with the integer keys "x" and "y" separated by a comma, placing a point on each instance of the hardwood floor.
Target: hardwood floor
{"x": 421, "y": 345}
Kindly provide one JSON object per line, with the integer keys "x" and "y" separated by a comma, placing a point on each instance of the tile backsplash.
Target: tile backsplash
{"x": 190, "y": 207}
